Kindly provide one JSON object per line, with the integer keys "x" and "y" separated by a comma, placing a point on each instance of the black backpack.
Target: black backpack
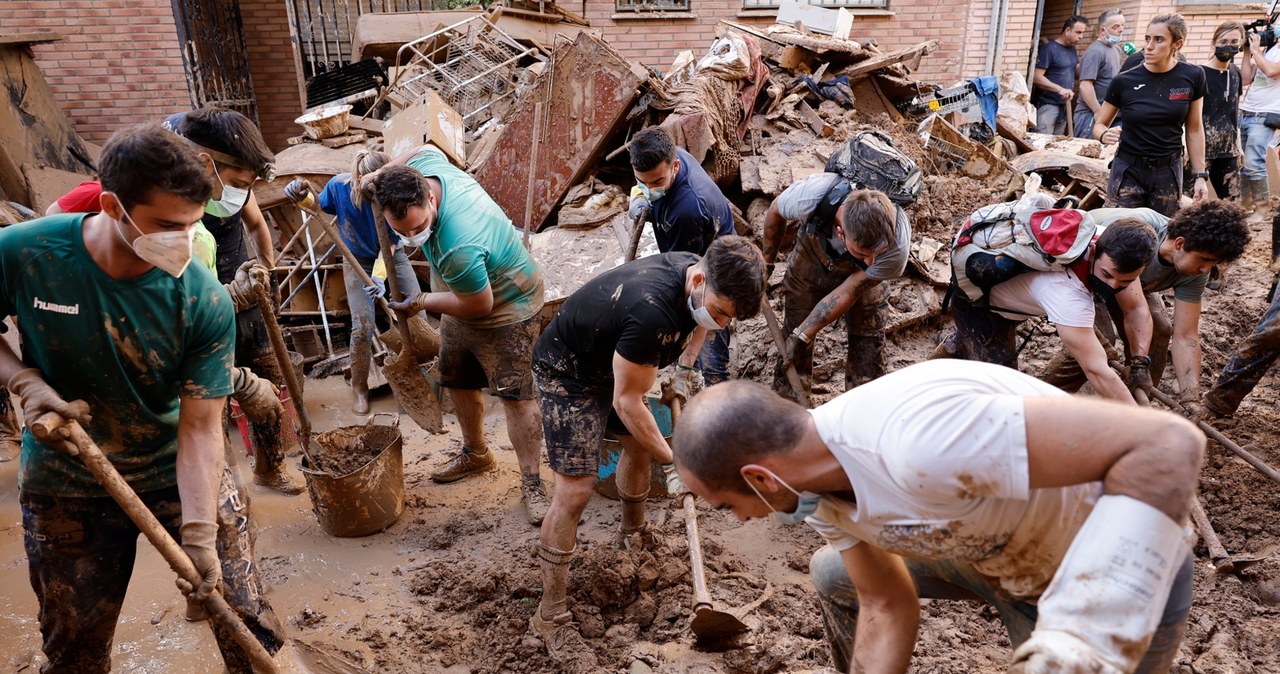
{"x": 870, "y": 160}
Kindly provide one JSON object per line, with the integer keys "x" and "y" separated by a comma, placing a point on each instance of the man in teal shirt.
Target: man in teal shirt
{"x": 488, "y": 290}
{"x": 143, "y": 340}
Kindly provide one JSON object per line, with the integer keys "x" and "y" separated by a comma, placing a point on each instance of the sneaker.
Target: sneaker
{"x": 564, "y": 643}
{"x": 278, "y": 481}
{"x": 534, "y": 499}
{"x": 466, "y": 463}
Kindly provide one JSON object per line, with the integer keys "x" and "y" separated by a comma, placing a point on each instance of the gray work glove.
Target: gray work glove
{"x": 378, "y": 289}
{"x": 684, "y": 383}
{"x": 198, "y": 541}
{"x": 38, "y": 399}
{"x": 638, "y": 207}
{"x": 297, "y": 190}
{"x": 1139, "y": 373}
{"x": 248, "y": 276}
{"x": 675, "y": 486}
{"x": 258, "y": 397}
{"x": 409, "y": 304}
{"x": 791, "y": 350}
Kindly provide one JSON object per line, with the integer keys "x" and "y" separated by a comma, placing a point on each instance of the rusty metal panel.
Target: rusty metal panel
{"x": 215, "y": 55}
{"x": 557, "y": 129}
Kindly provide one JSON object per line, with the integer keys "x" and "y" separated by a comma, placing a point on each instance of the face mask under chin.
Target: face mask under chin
{"x": 231, "y": 202}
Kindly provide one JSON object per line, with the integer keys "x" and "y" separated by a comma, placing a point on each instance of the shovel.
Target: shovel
{"x": 286, "y": 370}
{"x": 637, "y": 229}
{"x": 404, "y": 374}
{"x": 775, "y": 329}
{"x": 709, "y": 625}
{"x": 178, "y": 560}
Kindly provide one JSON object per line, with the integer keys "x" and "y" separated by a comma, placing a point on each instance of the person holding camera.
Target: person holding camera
{"x": 1259, "y": 112}
{"x": 1161, "y": 102}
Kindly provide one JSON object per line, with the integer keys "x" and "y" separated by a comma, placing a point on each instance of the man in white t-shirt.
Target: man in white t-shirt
{"x": 988, "y": 331}
{"x": 962, "y": 480}
{"x": 1262, "y": 68}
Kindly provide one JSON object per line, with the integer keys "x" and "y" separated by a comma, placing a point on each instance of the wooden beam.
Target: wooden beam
{"x": 892, "y": 58}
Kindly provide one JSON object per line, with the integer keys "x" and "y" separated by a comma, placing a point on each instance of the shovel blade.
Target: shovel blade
{"x": 298, "y": 657}
{"x": 411, "y": 389}
{"x": 712, "y": 626}
{"x": 424, "y": 341}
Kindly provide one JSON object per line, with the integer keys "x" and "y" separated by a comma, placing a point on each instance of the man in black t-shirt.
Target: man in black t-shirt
{"x": 1055, "y": 77}
{"x": 593, "y": 366}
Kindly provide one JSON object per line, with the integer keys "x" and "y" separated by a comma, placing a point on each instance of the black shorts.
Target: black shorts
{"x": 574, "y": 425}
{"x": 500, "y": 358}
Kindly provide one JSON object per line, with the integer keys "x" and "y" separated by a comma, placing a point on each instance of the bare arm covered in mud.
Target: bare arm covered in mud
{"x": 774, "y": 226}
{"x": 256, "y": 224}
{"x": 1083, "y": 345}
{"x": 472, "y": 305}
{"x": 1137, "y": 318}
{"x": 1185, "y": 347}
{"x": 1142, "y": 453}
{"x": 631, "y": 381}
{"x": 200, "y": 457}
{"x": 888, "y": 610}
{"x": 836, "y": 303}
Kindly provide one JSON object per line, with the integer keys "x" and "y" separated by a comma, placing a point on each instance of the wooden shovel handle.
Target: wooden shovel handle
{"x": 286, "y": 370}
{"x": 326, "y": 224}
{"x": 775, "y": 329}
{"x": 137, "y": 511}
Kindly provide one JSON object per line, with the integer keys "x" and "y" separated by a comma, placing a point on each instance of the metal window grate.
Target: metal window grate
{"x": 833, "y": 4}
{"x": 652, "y": 5}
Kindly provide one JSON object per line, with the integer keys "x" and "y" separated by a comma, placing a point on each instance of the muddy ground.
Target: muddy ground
{"x": 451, "y": 585}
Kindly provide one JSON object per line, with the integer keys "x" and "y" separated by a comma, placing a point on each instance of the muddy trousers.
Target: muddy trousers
{"x": 1155, "y": 183}
{"x": 1064, "y": 372}
{"x": 363, "y": 311}
{"x": 80, "y": 556}
{"x": 807, "y": 282}
{"x": 9, "y": 429}
{"x": 981, "y": 334}
{"x": 959, "y": 581}
{"x": 1248, "y": 364}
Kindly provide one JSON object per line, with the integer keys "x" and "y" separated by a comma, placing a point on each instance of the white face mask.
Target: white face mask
{"x": 169, "y": 250}
{"x": 416, "y": 240}
{"x": 702, "y": 315}
{"x": 233, "y": 199}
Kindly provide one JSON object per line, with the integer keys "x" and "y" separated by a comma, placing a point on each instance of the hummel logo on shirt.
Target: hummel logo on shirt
{"x": 69, "y": 309}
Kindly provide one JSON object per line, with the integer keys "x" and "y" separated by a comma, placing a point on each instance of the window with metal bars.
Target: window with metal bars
{"x": 652, "y": 5}
{"x": 833, "y": 4}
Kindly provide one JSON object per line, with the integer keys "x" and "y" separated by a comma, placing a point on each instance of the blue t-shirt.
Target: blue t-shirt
{"x": 693, "y": 212}
{"x": 355, "y": 225}
{"x": 1059, "y": 64}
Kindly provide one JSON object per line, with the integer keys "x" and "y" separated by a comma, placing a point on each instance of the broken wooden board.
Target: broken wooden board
{"x": 1019, "y": 139}
{"x": 332, "y": 141}
{"x": 45, "y": 185}
{"x": 369, "y": 125}
{"x": 33, "y": 129}
{"x": 870, "y": 99}
{"x": 910, "y": 55}
{"x": 311, "y": 161}
{"x": 818, "y": 124}
{"x": 583, "y": 97}
{"x": 431, "y": 120}
{"x": 1084, "y": 169}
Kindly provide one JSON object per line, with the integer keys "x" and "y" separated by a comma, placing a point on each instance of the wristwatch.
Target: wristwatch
{"x": 1202, "y": 174}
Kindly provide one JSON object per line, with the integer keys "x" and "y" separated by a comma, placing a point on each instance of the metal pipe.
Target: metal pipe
{"x": 1035, "y": 39}
{"x": 306, "y": 277}
{"x": 324, "y": 317}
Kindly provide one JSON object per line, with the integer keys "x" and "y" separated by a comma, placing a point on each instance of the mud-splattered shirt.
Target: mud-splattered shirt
{"x": 1221, "y": 115}
{"x": 638, "y": 310}
{"x": 1159, "y": 275}
{"x": 129, "y": 348}
{"x": 474, "y": 245}
{"x": 937, "y": 457}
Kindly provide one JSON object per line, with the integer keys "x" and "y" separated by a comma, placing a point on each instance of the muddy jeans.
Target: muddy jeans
{"x": 80, "y": 555}
{"x": 1064, "y": 372}
{"x": 809, "y": 279}
{"x": 981, "y": 334}
{"x": 1254, "y": 136}
{"x": 1051, "y": 118}
{"x": 363, "y": 312}
{"x": 713, "y": 360}
{"x": 1136, "y": 182}
{"x": 1248, "y": 364}
{"x": 937, "y": 579}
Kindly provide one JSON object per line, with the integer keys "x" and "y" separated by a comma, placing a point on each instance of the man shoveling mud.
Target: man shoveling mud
{"x": 144, "y": 341}
{"x": 594, "y": 364}
{"x": 958, "y": 480}
{"x": 489, "y": 291}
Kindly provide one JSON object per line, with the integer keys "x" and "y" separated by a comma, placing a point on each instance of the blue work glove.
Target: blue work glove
{"x": 638, "y": 206}
{"x": 378, "y": 289}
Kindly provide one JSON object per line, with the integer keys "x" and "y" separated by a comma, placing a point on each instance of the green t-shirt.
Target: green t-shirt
{"x": 128, "y": 348}
{"x": 474, "y": 245}
{"x": 1159, "y": 275}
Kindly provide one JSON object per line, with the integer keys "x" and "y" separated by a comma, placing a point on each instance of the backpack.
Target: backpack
{"x": 870, "y": 160}
{"x": 1001, "y": 241}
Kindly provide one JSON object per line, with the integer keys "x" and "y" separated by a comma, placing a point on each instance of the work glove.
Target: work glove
{"x": 675, "y": 486}
{"x": 198, "y": 541}
{"x": 1058, "y": 653}
{"x": 378, "y": 289}
{"x": 792, "y": 349}
{"x": 242, "y": 287}
{"x": 638, "y": 207}
{"x": 1191, "y": 402}
{"x": 684, "y": 383}
{"x": 1139, "y": 373}
{"x": 38, "y": 399}
{"x": 410, "y": 304}
{"x": 258, "y": 397}
{"x": 297, "y": 190}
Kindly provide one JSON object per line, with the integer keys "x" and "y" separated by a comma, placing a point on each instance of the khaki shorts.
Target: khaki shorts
{"x": 499, "y": 358}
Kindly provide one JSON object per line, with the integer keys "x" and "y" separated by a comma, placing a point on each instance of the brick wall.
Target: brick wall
{"x": 271, "y": 64}
{"x": 118, "y": 62}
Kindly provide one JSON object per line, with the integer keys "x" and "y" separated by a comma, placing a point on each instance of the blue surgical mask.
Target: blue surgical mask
{"x": 233, "y": 199}
{"x": 702, "y": 315}
{"x": 805, "y": 507}
{"x": 652, "y": 194}
{"x": 1114, "y": 39}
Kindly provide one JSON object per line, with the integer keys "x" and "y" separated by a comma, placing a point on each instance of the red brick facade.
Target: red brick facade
{"x": 275, "y": 76}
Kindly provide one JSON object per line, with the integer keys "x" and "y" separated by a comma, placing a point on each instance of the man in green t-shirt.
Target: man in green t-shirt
{"x": 488, "y": 290}
{"x": 115, "y": 319}
{"x": 1188, "y": 246}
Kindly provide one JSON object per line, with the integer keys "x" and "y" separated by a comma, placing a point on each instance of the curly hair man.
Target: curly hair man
{"x": 1191, "y": 243}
